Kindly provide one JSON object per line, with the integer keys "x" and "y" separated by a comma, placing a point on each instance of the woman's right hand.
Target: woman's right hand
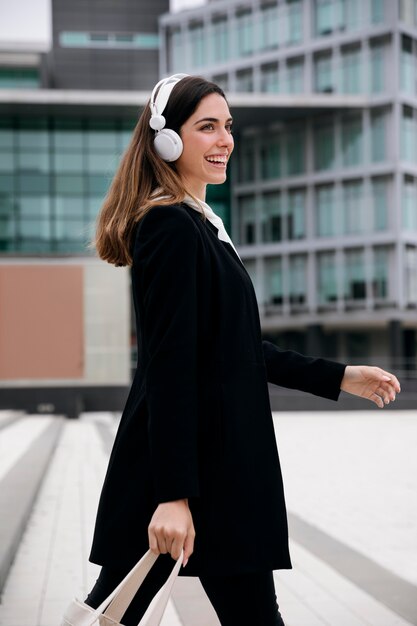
{"x": 171, "y": 529}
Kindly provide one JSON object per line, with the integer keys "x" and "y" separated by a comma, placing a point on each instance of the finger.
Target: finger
{"x": 188, "y": 546}
{"x": 377, "y": 399}
{"x": 176, "y": 547}
{"x": 393, "y": 380}
{"x": 162, "y": 543}
{"x": 388, "y": 390}
{"x": 153, "y": 543}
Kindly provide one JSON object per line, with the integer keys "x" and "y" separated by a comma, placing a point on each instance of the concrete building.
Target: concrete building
{"x": 324, "y": 188}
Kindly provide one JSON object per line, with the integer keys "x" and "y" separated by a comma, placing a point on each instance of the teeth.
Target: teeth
{"x": 217, "y": 159}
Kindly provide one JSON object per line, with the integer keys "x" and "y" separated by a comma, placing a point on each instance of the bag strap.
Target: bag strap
{"x": 116, "y": 604}
{"x": 156, "y": 609}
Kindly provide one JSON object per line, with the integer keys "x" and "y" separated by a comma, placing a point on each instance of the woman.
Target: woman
{"x": 194, "y": 464}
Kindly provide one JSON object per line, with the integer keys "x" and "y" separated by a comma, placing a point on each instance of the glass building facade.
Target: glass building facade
{"x": 324, "y": 203}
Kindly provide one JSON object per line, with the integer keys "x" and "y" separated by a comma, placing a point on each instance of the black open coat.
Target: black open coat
{"x": 197, "y": 423}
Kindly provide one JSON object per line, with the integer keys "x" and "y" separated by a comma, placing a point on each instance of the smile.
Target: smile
{"x": 218, "y": 164}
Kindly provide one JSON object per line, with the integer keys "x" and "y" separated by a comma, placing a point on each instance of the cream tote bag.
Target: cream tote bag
{"x": 112, "y": 609}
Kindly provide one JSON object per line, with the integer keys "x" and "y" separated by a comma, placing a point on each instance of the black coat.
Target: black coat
{"x": 197, "y": 423}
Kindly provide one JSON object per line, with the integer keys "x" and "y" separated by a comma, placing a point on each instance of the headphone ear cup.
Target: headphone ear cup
{"x": 168, "y": 144}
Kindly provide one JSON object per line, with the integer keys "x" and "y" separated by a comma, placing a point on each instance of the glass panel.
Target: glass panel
{"x": 378, "y": 69}
{"x": 69, "y": 184}
{"x": 353, "y": 207}
{"x": 411, "y": 274}
{"x": 7, "y": 135}
{"x": 7, "y": 228}
{"x": 297, "y": 291}
{"x": 323, "y": 74}
{"x": 34, "y": 206}
{"x": 6, "y": 161}
{"x": 220, "y": 40}
{"x": 6, "y": 183}
{"x": 269, "y": 78}
{"x": 104, "y": 163}
{"x": 68, "y": 135}
{"x": 34, "y": 183}
{"x": 33, "y": 134}
{"x": 355, "y": 285}
{"x": 197, "y": 45}
{"x": 94, "y": 205}
{"x": 409, "y": 202}
{"x": 296, "y": 214}
{"x": 68, "y": 162}
{"x": 247, "y": 220}
{"x": 176, "y": 47}
{"x": 378, "y": 137}
{"x": 33, "y": 162}
{"x": 269, "y": 27}
{"x": 271, "y": 158}
{"x": 102, "y": 136}
{"x": 407, "y": 66}
{"x": 295, "y": 76}
{"x": 274, "y": 292}
{"x": 271, "y": 217}
{"x": 19, "y": 78}
{"x": 34, "y": 229}
{"x": 71, "y": 229}
{"x": 352, "y": 141}
{"x": 324, "y": 10}
{"x": 380, "y": 203}
{"x": 67, "y": 207}
{"x": 377, "y": 11}
{"x": 352, "y": 10}
{"x": 244, "y": 24}
{"x": 247, "y": 160}
{"x": 325, "y": 208}
{"x": 327, "y": 279}
{"x": 295, "y": 152}
{"x": 408, "y": 135}
{"x": 380, "y": 273}
{"x": 294, "y": 21}
{"x": 351, "y": 69}
{"x": 324, "y": 148}
{"x": 6, "y": 204}
{"x": 244, "y": 81}
{"x": 98, "y": 184}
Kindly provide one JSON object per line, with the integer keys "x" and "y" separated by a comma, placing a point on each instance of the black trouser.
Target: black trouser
{"x": 240, "y": 600}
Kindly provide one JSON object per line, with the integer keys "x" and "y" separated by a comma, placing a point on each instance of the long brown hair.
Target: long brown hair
{"x": 141, "y": 171}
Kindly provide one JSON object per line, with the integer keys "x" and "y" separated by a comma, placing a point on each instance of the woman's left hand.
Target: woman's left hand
{"x": 371, "y": 383}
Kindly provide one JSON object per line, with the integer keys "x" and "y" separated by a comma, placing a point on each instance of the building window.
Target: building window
{"x": 274, "y": 292}
{"x": 176, "y": 50}
{"x": 408, "y": 135}
{"x": 352, "y": 141}
{"x": 247, "y": 228}
{"x": 222, "y": 80}
{"x": 144, "y": 41}
{"x": 377, "y": 11}
{"x": 19, "y": 78}
{"x": 327, "y": 278}
{"x": 244, "y": 80}
{"x": 323, "y": 79}
{"x": 355, "y": 284}
{"x": 329, "y": 16}
{"x": 269, "y": 78}
{"x": 269, "y": 27}
{"x": 378, "y": 68}
{"x": 378, "y": 136}
{"x": 351, "y": 70}
{"x": 197, "y": 45}
{"x": 295, "y": 151}
{"x": 294, "y": 22}
{"x": 324, "y": 148}
{"x": 380, "y": 187}
{"x": 409, "y": 202}
{"x": 411, "y": 274}
{"x": 220, "y": 40}
{"x": 295, "y": 75}
{"x": 380, "y": 273}
{"x": 247, "y": 160}
{"x": 244, "y": 24}
{"x": 325, "y": 211}
{"x": 271, "y": 157}
{"x": 271, "y": 217}
{"x": 296, "y": 214}
{"x": 408, "y": 12}
{"x": 408, "y": 66}
{"x": 352, "y": 13}
{"x": 297, "y": 282}
{"x": 353, "y": 207}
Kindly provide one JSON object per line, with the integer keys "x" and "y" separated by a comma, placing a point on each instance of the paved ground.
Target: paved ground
{"x": 351, "y": 488}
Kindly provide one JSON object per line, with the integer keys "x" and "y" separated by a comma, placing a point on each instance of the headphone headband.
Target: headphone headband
{"x": 167, "y": 143}
{"x": 166, "y": 85}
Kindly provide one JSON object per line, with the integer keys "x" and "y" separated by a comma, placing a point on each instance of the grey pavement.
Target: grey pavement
{"x": 351, "y": 488}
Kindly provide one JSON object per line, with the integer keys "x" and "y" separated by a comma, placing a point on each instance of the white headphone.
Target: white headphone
{"x": 167, "y": 142}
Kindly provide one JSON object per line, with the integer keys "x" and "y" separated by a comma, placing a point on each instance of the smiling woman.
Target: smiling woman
{"x": 194, "y": 465}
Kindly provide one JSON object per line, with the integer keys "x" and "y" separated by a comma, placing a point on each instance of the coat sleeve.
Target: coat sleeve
{"x": 165, "y": 254}
{"x": 296, "y": 371}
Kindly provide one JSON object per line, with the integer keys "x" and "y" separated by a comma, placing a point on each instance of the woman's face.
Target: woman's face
{"x": 208, "y": 144}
